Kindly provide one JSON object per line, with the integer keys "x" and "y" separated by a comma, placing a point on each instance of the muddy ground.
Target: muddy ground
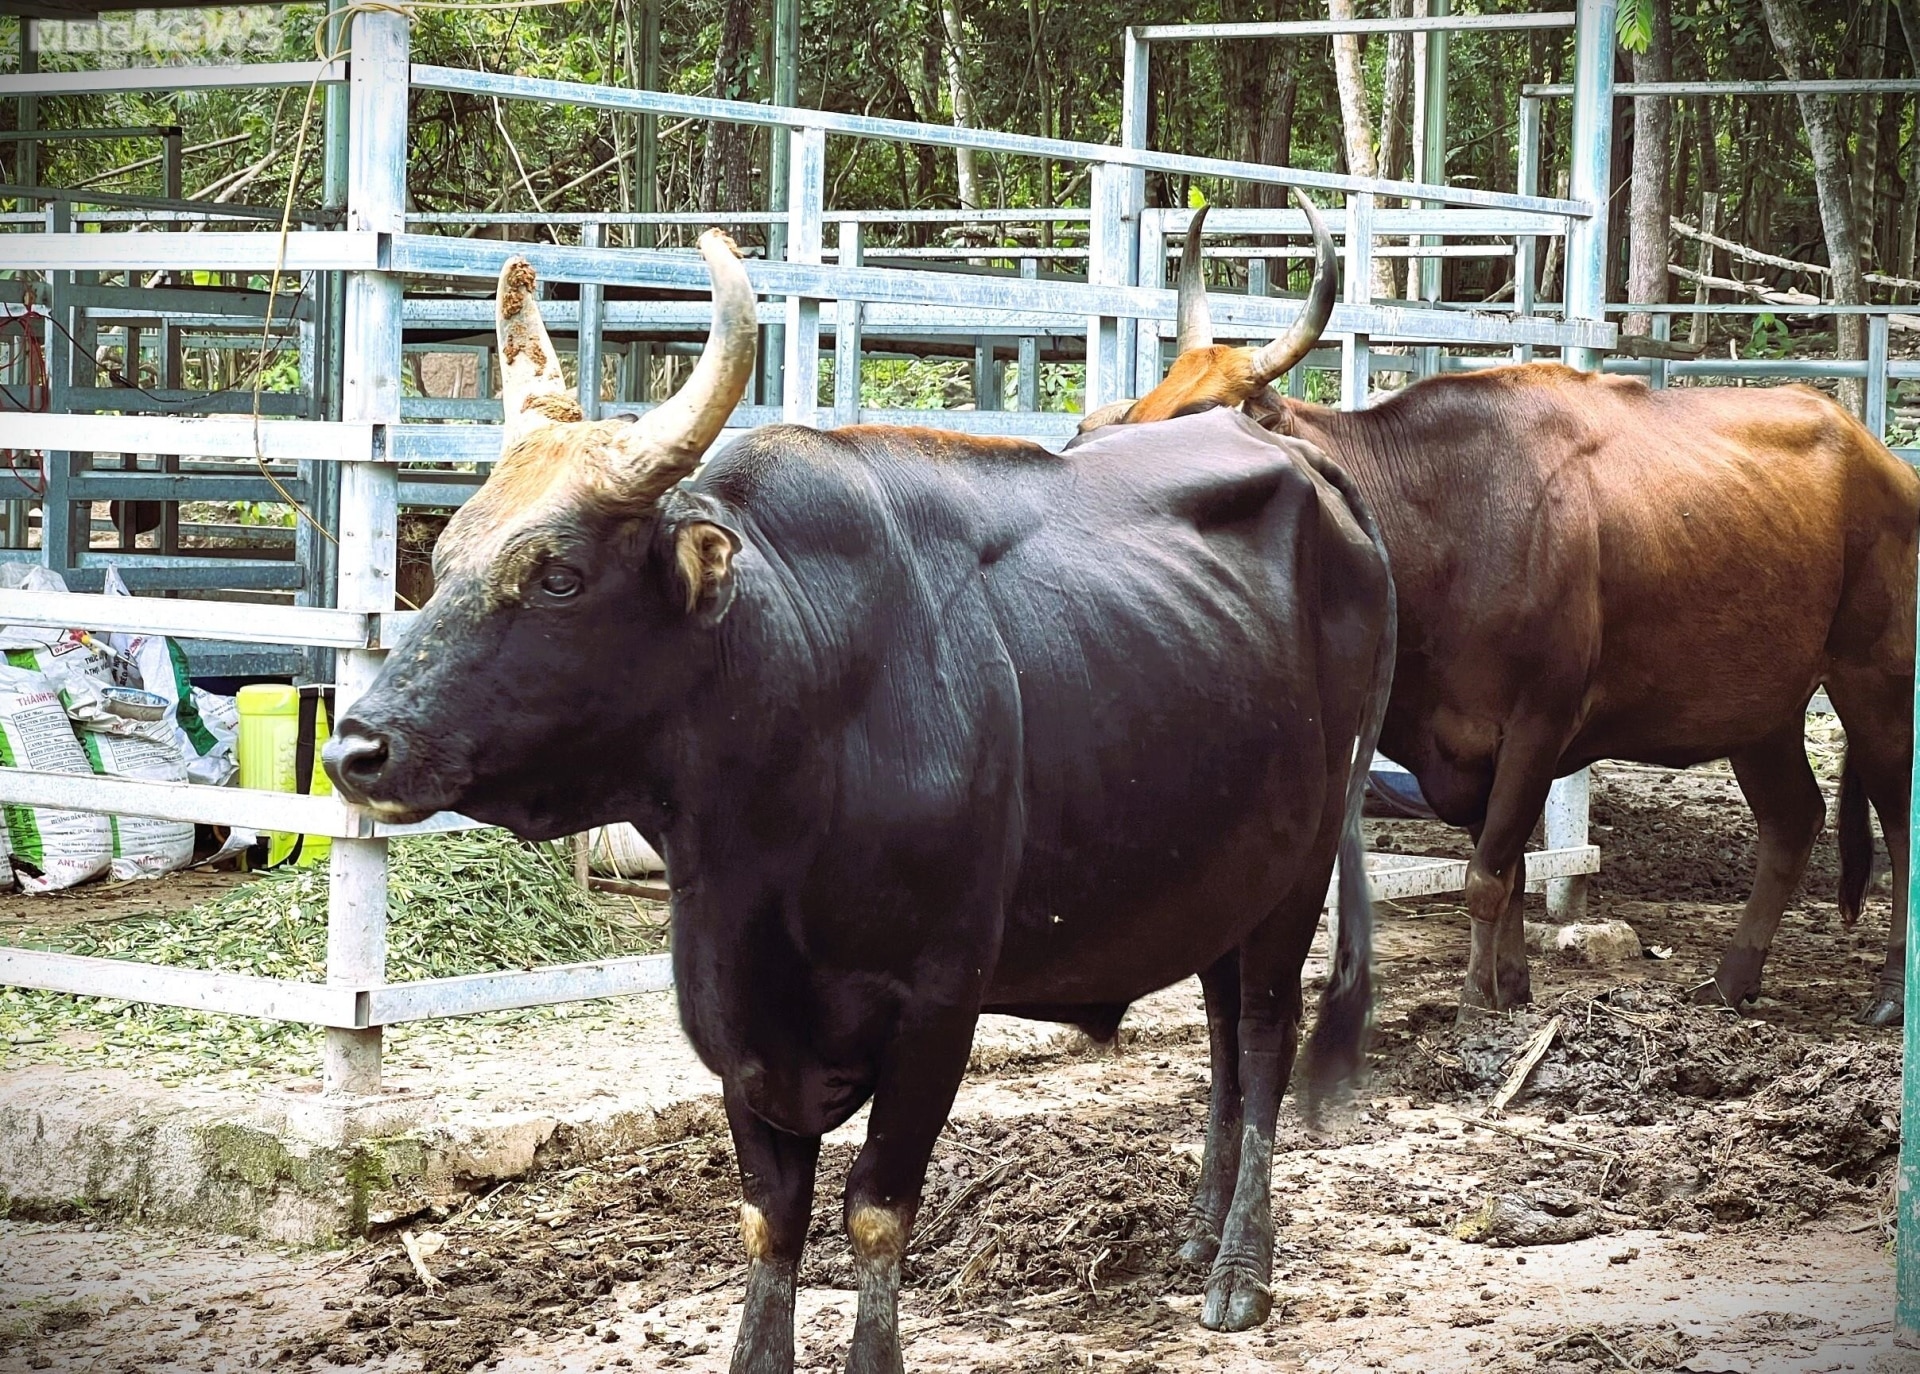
{"x": 1677, "y": 1189}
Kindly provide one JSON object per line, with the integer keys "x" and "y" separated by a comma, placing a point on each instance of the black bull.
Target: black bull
{"x": 975, "y": 728}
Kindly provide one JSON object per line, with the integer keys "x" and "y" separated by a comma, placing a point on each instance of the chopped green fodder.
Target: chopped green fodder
{"x": 470, "y": 902}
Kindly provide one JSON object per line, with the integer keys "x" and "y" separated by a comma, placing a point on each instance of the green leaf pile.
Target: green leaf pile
{"x": 472, "y": 902}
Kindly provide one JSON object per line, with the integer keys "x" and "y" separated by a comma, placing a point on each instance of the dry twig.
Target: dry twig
{"x": 418, "y": 1248}
{"x": 1529, "y": 1060}
{"x": 1536, "y": 1138}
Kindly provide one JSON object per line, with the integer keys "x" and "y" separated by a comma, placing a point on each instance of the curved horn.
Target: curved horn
{"x": 1195, "y": 323}
{"x": 1273, "y": 359}
{"x": 532, "y": 391}
{"x": 667, "y": 442}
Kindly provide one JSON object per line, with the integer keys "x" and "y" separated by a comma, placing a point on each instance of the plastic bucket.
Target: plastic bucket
{"x": 272, "y": 717}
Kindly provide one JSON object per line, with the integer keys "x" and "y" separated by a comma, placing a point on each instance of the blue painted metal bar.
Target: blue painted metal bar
{"x": 1907, "y": 1179}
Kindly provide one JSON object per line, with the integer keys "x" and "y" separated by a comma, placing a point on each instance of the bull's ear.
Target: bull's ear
{"x": 703, "y": 558}
{"x": 533, "y": 392}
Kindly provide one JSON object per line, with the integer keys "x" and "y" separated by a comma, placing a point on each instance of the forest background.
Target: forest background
{"x": 1831, "y": 184}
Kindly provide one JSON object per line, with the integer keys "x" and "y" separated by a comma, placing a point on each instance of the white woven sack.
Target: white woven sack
{"x": 50, "y": 849}
{"x": 617, "y": 851}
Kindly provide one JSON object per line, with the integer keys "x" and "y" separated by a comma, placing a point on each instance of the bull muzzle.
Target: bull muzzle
{"x": 365, "y": 763}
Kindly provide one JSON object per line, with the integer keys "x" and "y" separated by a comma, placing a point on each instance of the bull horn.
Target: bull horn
{"x": 1195, "y": 322}
{"x": 532, "y": 391}
{"x": 1273, "y": 359}
{"x": 668, "y": 442}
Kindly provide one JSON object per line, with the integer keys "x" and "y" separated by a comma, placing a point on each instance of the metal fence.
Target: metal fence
{"x": 351, "y": 443}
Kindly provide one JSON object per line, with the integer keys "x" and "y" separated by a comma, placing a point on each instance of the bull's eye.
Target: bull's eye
{"x": 559, "y": 582}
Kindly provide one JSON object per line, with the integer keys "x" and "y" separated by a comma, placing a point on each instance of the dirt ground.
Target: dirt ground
{"x": 1677, "y": 1189}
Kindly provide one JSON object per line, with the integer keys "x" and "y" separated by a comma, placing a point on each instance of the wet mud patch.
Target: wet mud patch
{"x": 1055, "y": 1219}
{"x": 1707, "y": 1142}
{"x": 1711, "y": 1118}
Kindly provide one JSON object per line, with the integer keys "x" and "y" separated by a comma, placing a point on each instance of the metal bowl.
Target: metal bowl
{"x": 134, "y": 704}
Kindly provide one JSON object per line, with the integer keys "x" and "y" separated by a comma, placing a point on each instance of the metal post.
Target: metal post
{"x": 27, "y": 173}
{"x": 806, "y": 195}
{"x": 1586, "y": 274}
{"x": 786, "y": 86}
{"x": 846, "y": 335}
{"x": 1134, "y": 75}
{"x": 1151, "y": 255}
{"x": 29, "y": 156}
{"x": 56, "y": 526}
{"x": 1657, "y": 367}
{"x": 1028, "y": 397}
{"x": 1592, "y": 152}
{"x": 646, "y": 162}
{"x": 1136, "y": 67}
{"x": 1356, "y": 351}
{"x": 1430, "y": 147}
{"x": 1108, "y": 264}
{"x": 1526, "y": 247}
{"x": 1876, "y": 413}
{"x": 587, "y": 341}
{"x": 646, "y": 175}
{"x": 1907, "y": 1182}
{"x": 1568, "y": 801}
{"x": 312, "y": 550}
{"x": 376, "y": 196}
{"x": 172, "y": 185}
{"x": 1709, "y": 224}
{"x": 986, "y": 375}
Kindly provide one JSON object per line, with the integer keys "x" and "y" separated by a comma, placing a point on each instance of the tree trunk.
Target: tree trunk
{"x": 726, "y": 174}
{"x": 1620, "y": 175}
{"x": 1043, "y": 86}
{"x": 1706, "y": 142}
{"x": 1788, "y": 30}
{"x": 1680, "y": 184}
{"x": 1649, "y": 215}
{"x": 1396, "y": 123}
{"x": 962, "y": 99}
{"x": 1866, "y": 124}
{"x": 1356, "y": 120}
{"x": 1909, "y": 226}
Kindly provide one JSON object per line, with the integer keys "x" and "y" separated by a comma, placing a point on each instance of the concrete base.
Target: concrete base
{"x": 1597, "y": 944}
{"x": 305, "y": 1113}
{"x": 465, "y": 1113}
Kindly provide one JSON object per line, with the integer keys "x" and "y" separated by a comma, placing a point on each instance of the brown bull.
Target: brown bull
{"x": 1591, "y": 569}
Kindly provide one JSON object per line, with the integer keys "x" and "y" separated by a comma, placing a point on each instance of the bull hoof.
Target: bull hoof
{"x": 1712, "y": 994}
{"x": 1885, "y": 1011}
{"x": 1516, "y": 989}
{"x": 1200, "y": 1247}
{"x": 1475, "y": 1008}
{"x": 1237, "y": 1299}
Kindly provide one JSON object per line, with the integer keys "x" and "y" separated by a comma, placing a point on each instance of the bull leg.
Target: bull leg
{"x": 1877, "y": 710}
{"x": 1497, "y": 978}
{"x": 1787, "y": 807}
{"x": 1221, "y": 1162}
{"x": 776, "y": 1183}
{"x": 1511, "y": 974}
{"x": 1889, "y": 1004}
{"x": 1239, "y": 1293}
{"x": 918, "y": 1080}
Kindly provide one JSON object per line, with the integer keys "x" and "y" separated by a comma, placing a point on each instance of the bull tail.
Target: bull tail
{"x": 1337, "y": 1050}
{"x": 1855, "y": 834}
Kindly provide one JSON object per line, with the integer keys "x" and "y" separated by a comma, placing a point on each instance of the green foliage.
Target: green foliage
{"x": 464, "y": 903}
{"x": 1033, "y": 66}
{"x": 1769, "y": 338}
{"x": 1634, "y": 24}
